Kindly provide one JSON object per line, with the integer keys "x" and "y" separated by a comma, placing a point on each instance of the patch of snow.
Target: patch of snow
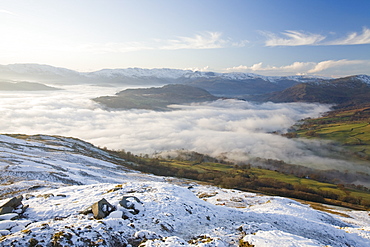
{"x": 166, "y": 214}
{"x": 8, "y": 216}
{"x": 364, "y": 78}
{"x": 278, "y": 238}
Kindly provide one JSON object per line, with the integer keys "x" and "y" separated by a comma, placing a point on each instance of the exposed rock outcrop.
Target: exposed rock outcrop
{"x": 131, "y": 202}
{"x": 101, "y": 209}
{"x": 12, "y": 205}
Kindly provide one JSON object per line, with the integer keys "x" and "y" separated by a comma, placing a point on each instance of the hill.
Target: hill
{"x": 67, "y": 176}
{"x": 350, "y": 127}
{"x": 344, "y": 92}
{"x": 156, "y": 98}
{"x": 24, "y": 86}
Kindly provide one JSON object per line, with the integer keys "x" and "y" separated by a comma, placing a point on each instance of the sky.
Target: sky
{"x": 267, "y": 37}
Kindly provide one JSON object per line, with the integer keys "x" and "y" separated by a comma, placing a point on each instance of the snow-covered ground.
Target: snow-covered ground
{"x": 169, "y": 212}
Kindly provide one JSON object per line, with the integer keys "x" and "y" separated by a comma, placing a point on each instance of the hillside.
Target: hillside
{"x": 350, "y": 127}
{"x": 67, "y": 176}
{"x": 24, "y": 86}
{"x": 156, "y": 98}
{"x": 344, "y": 92}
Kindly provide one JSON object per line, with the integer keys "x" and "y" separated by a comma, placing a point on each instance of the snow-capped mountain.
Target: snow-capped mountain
{"x": 220, "y": 84}
{"x": 162, "y": 73}
{"x": 166, "y": 73}
{"x": 233, "y": 84}
{"x": 57, "y": 179}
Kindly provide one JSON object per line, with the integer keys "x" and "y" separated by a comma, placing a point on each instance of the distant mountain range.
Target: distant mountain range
{"x": 220, "y": 84}
{"x": 352, "y": 90}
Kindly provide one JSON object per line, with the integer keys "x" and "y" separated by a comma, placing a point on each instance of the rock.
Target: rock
{"x": 25, "y": 208}
{"x": 102, "y": 209}
{"x": 128, "y": 202}
{"x": 13, "y": 203}
{"x": 86, "y": 211}
{"x": 46, "y": 196}
{"x": 6, "y": 210}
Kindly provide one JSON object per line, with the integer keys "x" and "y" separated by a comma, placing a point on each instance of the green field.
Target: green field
{"x": 351, "y": 128}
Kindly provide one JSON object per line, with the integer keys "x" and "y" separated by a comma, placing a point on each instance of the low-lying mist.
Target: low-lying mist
{"x": 236, "y": 129}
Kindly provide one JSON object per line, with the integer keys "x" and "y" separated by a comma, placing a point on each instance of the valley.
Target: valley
{"x": 183, "y": 158}
{"x": 185, "y": 123}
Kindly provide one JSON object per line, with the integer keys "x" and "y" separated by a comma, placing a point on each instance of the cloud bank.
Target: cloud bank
{"x": 336, "y": 68}
{"x": 299, "y": 38}
{"x": 239, "y": 129}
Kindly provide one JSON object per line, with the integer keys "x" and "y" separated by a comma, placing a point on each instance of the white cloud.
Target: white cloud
{"x": 206, "y": 40}
{"x": 6, "y": 12}
{"x": 334, "y": 68}
{"x": 294, "y": 68}
{"x": 354, "y": 38}
{"x": 238, "y": 129}
{"x": 240, "y": 43}
{"x": 325, "y": 65}
{"x": 203, "y": 69}
{"x": 298, "y": 38}
{"x": 294, "y": 38}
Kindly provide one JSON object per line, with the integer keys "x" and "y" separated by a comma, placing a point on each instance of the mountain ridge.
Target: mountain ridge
{"x": 235, "y": 84}
{"x": 344, "y": 92}
{"x": 142, "y": 72}
{"x": 140, "y": 76}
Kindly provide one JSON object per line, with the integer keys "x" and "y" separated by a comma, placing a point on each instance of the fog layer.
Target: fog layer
{"x": 240, "y": 130}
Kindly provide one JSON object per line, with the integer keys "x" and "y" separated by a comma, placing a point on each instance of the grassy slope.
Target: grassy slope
{"x": 231, "y": 171}
{"x": 348, "y": 127}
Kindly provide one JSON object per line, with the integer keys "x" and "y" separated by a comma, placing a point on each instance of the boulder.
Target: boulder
{"x": 128, "y": 202}
{"x": 13, "y": 202}
{"x": 102, "y": 209}
{"x": 11, "y": 205}
{"x": 6, "y": 210}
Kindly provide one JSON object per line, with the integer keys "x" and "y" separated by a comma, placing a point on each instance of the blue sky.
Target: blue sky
{"x": 268, "y": 37}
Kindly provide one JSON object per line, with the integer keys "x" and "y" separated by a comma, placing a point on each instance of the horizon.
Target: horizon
{"x": 267, "y": 37}
{"x": 187, "y": 69}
